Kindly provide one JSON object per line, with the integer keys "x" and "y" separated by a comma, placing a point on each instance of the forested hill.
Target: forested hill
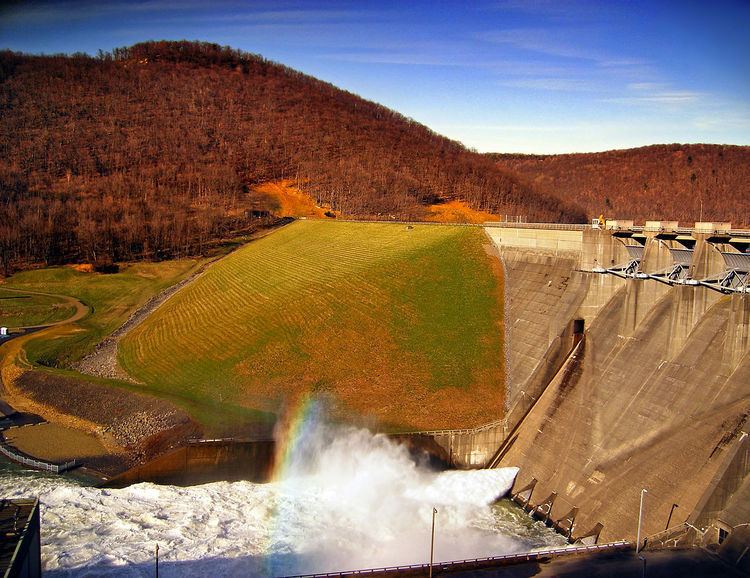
{"x": 668, "y": 182}
{"x": 154, "y": 149}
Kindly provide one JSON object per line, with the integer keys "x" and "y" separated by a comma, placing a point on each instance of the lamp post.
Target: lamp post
{"x": 670, "y": 515}
{"x": 640, "y": 518}
{"x": 432, "y": 541}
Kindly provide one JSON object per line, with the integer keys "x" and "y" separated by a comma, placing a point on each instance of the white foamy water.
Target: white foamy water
{"x": 348, "y": 500}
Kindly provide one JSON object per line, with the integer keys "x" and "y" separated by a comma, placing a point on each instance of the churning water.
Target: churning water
{"x": 346, "y": 499}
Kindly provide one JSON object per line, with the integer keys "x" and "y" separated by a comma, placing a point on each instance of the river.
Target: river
{"x": 347, "y": 499}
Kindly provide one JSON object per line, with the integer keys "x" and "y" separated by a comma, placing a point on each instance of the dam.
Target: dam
{"x": 628, "y": 369}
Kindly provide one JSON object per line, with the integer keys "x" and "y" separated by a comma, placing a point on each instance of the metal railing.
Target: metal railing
{"x": 548, "y": 226}
{"x": 679, "y": 536}
{"x": 491, "y": 560}
{"x": 37, "y": 464}
{"x": 506, "y": 224}
{"x": 469, "y": 430}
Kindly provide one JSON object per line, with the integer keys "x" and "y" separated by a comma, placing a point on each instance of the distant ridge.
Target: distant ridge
{"x": 156, "y": 150}
{"x": 684, "y": 182}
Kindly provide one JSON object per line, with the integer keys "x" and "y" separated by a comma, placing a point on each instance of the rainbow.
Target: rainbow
{"x": 295, "y": 424}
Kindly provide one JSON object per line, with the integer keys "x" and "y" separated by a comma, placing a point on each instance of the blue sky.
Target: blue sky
{"x": 540, "y": 76}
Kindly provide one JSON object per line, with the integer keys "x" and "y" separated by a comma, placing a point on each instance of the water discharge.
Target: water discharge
{"x": 345, "y": 499}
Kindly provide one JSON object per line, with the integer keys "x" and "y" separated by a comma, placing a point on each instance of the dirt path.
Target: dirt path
{"x": 81, "y": 310}
{"x": 102, "y": 362}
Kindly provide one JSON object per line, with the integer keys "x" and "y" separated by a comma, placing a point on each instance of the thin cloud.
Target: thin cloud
{"x": 559, "y": 10}
{"x": 54, "y": 12}
{"x": 679, "y": 97}
{"x": 648, "y": 86}
{"x": 553, "y": 84}
{"x": 541, "y": 40}
{"x": 280, "y": 17}
{"x": 451, "y": 58}
{"x": 405, "y": 59}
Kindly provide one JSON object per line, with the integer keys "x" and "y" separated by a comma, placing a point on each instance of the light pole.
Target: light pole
{"x": 670, "y": 515}
{"x": 432, "y": 541}
{"x": 640, "y": 518}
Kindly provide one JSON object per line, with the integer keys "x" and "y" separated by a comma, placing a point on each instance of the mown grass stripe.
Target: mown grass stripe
{"x": 368, "y": 313}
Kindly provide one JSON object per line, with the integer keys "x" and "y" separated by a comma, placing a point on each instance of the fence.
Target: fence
{"x": 478, "y": 562}
{"x": 36, "y": 464}
{"x": 471, "y": 430}
{"x": 546, "y": 226}
{"x": 508, "y": 224}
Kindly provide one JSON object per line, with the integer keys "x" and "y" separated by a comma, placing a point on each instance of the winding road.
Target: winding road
{"x": 81, "y": 310}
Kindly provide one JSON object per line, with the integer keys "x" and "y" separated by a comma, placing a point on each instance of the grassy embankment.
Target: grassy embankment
{"x": 401, "y": 325}
{"x": 111, "y": 298}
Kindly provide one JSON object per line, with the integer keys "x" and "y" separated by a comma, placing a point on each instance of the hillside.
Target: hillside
{"x": 156, "y": 150}
{"x": 686, "y": 183}
{"x": 400, "y": 324}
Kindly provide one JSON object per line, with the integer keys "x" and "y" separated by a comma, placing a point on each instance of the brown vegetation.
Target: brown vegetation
{"x": 286, "y": 200}
{"x": 458, "y": 211}
{"x": 155, "y": 150}
{"x": 685, "y": 183}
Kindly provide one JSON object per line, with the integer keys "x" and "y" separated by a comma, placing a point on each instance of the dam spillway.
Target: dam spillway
{"x": 659, "y": 393}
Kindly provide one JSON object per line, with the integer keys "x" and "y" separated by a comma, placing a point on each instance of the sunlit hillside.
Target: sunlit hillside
{"x": 398, "y": 324}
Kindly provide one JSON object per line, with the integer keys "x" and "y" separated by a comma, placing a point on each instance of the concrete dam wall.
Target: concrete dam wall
{"x": 657, "y": 394}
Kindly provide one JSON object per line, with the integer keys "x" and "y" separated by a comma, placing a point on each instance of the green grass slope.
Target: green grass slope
{"x": 401, "y": 325}
{"x": 19, "y": 309}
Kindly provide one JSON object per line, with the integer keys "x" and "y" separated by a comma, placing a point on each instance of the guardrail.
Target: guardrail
{"x": 679, "y": 536}
{"x": 478, "y": 562}
{"x": 507, "y": 224}
{"x": 37, "y": 464}
{"x": 469, "y": 430}
{"x": 547, "y": 226}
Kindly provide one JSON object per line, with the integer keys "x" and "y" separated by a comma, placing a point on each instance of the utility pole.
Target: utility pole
{"x": 640, "y": 519}
{"x": 157, "y": 560}
{"x": 432, "y": 541}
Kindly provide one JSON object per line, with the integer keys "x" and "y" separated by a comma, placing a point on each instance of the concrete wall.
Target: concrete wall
{"x": 203, "y": 462}
{"x": 655, "y": 398}
{"x": 463, "y": 449}
{"x": 725, "y": 503}
{"x": 556, "y": 242}
{"x": 634, "y": 413}
{"x": 542, "y": 294}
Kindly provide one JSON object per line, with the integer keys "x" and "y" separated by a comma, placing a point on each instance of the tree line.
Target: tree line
{"x": 154, "y": 149}
{"x": 676, "y": 182}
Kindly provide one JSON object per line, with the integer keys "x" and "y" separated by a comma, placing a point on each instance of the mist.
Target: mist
{"x": 346, "y": 499}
